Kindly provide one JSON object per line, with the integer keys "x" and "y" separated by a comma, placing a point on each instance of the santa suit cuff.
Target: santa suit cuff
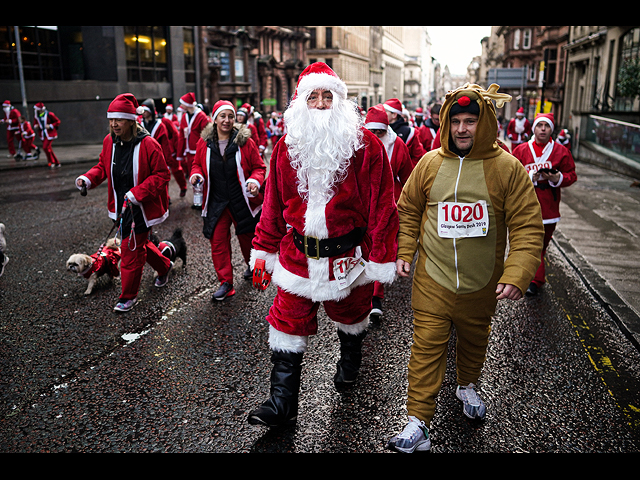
{"x": 559, "y": 181}
{"x": 131, "y": 198}
{"x": 196, "y": 175}
{"x": 270, "y": 259}
{"x": 86, "y": 181}
{"x": 381, "y": 272}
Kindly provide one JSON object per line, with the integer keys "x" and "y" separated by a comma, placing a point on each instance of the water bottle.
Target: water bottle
{"x": 197, "y": 194}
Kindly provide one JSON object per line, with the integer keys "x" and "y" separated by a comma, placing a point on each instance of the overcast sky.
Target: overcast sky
{"x": 456, "y": 46}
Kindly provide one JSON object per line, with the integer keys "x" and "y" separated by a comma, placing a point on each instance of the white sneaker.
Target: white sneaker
{"x": 473, "y": 406}
{"x": 414, "y": 438}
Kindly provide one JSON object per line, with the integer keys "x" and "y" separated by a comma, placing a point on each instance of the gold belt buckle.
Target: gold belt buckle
{"x": 306, "y": 249}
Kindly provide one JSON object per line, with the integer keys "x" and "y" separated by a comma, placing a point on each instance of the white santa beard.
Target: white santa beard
{"x": 322, "y": 141}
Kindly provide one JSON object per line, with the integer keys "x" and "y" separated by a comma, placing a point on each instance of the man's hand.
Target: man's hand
{"x": 403, "y": 268}
{"x": 507, "y": 291}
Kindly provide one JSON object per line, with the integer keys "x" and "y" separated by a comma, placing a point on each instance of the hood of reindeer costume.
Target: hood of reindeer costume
{"x": 474, "y": 98}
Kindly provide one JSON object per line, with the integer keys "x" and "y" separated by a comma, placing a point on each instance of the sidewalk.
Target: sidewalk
{"x": 66, "y": 154}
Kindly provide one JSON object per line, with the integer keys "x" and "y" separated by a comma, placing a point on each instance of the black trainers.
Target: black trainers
{"x": 225, "y": 290}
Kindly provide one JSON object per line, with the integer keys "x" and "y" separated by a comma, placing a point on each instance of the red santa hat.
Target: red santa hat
{"x": 376, "y": 118}
{"x": 222, "y": 105}
{"x": 188, "y": 99}
{"x": 247, "y": 108}
{"x": 319, "y": 75}
{"x": 169, "y": 107}
{"x": 544, "y": 117}
{"x": 419, "y": 112}
{"x": 39, "y": 106}
{"x": 6, "y": 103}
{"x": 393, "y": 105}
{"x": 125, "y": 106}
{"x": 520, "y": 111}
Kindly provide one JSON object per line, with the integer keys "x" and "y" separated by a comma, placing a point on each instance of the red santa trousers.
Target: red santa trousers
{"x": 132, "y": 262}
{"x": 11, "y": 135}
{"x": 549, "y": 228}
{"x": 48, "y": 150}
{"x": 221, "y": 247}
{"x": 177, "y": 171}
{"x": 295, "y": 315}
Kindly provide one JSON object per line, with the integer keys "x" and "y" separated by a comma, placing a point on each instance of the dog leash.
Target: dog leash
{"x": 127, "y": 203}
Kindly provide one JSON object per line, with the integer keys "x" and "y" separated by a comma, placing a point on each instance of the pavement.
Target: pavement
{"x": 599, "y": 233}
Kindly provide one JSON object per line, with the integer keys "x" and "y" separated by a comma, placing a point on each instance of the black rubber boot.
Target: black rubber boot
{"x": 350, "y": 358}
{"x": 281, "y": 408}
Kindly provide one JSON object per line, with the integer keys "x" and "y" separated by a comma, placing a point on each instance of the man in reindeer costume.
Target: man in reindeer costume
{"x": 327, "y": 233}
{"x": 456, "y": 210}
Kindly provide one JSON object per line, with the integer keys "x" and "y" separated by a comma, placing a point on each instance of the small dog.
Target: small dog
{"x": 173, "y": 248}
{"x": 104, "y": 261}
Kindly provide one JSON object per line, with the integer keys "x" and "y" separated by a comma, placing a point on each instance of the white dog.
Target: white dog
{"x": 104, "y": 261}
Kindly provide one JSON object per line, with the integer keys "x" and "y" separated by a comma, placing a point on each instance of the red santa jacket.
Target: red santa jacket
{"x": 400, "y": 160}
{"x": 364, "y": 200}
{"x": 427, "y": 136}
{"x": 48, "y": 125}
{"x": 150, "y": 178}
{"x": 251, "y": 167}
{"x": 26, "y": 131}
{"x": 160, "y": 134}
{"x": 553, "y": 155}
{"x": 12, "y": 119}
{"x": 190, "y": 131}
{"x": 416, "y": 150}
{"x": 260, "y": 134}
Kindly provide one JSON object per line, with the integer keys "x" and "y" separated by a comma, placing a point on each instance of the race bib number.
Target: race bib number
{"x": 534, "y": 167}
{"x": 347, "y": 270}
{"x": 457, "y": 220}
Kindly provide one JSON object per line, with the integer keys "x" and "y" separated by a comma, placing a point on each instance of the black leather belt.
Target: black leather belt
{"x": 329, "y": 247}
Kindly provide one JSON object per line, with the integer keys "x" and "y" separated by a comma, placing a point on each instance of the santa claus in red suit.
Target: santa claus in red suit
{"x": 551, "y": 168}
{"x": 327, "y": 232}
{"x": 401, "y": 166}
{"x": 430, "y": 128}
{"x": 192, "y": 122}
{"x": 47, "y": 124}
{"x": 519, "y": 129}
{"x": 11, "y": 118}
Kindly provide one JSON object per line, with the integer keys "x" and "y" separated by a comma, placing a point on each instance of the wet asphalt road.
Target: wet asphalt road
{"x": 179, "y": 373}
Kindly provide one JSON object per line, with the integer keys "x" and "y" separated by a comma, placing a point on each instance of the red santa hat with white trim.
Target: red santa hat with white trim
{"x": 124, "y": 106}
{"x": 188, "y": 99}
{"x": 544, "y": 117}
{"x": 393, "y": 105}
{"x": 376, "y": 118}
{"x": 220, "y": 106}
{"x": 319, "y": 75}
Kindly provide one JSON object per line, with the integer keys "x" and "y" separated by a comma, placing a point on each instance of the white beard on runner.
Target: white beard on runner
{"x": 321, "y": 144}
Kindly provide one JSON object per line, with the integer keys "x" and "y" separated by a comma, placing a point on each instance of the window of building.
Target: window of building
{"x": 189, "y": 53}
{"x": 220, "y": 58}
{"x": 146, "y": 53}
{"x": 526, "y": 39}
{"x": 40, "y": 49}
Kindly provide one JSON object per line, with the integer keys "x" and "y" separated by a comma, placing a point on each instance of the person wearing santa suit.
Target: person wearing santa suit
{"x": 27, "y": 135}
{"x": 165, "y": 133}
{"x": 564, "y": 139}
{"x": 401, "y": 166}
{"x": 519, "y": 129}
{"x": 429, "y": 129}
{"x": 170, "y": 115}
{"x": 11, "y": 119}
{"x": 192, "y": 123}
{"x": 47, "y": 124}
{"x": 248, "y": 116}
{"x": 275, "y": 127}
{"x": 551, "y": 168}
{"x": 407, "y": 133}
{"x": 133, "y": 165}
{"x": 327, "y": 232}
{"x": 232, "y": 173}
